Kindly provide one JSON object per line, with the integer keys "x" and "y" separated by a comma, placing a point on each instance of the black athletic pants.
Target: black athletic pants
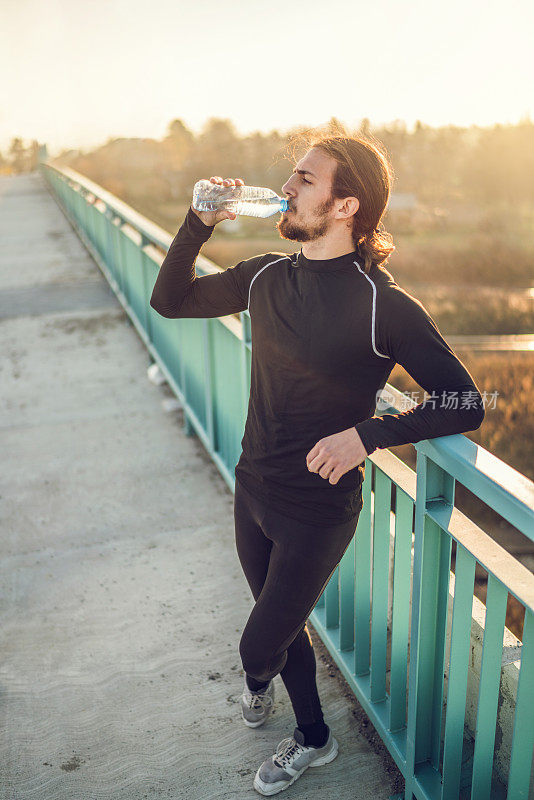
{"x": 287, "y": 564}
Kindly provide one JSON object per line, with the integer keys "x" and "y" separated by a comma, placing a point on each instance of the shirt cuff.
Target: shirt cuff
{"x": 363, "y": 431}
{"x": 196, "y": 225}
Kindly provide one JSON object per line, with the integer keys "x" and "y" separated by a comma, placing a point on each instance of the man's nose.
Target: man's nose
{"x": 287, "y": 188}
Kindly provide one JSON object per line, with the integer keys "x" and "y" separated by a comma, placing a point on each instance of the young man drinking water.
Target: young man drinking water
{"x": 328, "y": 324}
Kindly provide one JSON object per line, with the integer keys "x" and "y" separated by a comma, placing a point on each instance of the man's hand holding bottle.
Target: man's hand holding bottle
{"x": 211, "y": 218}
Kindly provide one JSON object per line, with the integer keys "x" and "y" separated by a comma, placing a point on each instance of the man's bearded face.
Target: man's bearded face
{"x": 305, "y": 230}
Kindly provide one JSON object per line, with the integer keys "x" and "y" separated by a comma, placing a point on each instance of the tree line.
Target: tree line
{"x": 19, "y": 157}
{"x": 488, "y": 166}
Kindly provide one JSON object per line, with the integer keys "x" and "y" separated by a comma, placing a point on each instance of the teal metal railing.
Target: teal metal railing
{"x": 386, "y": 611}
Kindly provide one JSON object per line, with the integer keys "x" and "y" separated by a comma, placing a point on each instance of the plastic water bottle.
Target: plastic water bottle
{"x": 251, "y": 201}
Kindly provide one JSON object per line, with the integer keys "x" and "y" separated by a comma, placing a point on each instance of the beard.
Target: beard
{"x": 307, "y": 233}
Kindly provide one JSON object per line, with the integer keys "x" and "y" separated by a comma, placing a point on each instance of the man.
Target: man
{"x": 328, "y": 325}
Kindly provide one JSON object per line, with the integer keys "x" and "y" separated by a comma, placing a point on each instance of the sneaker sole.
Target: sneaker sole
{"x": 253, "y": 724}
{"x": 266, "y": 790}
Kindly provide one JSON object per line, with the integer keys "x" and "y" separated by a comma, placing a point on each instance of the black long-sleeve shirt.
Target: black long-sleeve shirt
{"x": 325, "y": 338}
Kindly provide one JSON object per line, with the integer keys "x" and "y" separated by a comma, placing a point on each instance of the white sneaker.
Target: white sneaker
{"x": 291, "y": 759}
{"x": 256, "y": 706}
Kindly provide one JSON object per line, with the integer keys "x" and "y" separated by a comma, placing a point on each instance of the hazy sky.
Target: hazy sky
{"x": 76, "y": 73}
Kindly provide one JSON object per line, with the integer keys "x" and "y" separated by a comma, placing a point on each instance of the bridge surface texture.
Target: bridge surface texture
{"x": 123, "y": 598}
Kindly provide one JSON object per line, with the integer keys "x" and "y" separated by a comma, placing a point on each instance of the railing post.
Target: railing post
{"x": 187, "y": 426}
{"x": 208, "y": 383}
{"x": 346, "y": 598}
{"x": 523, "y": 733}
{"x": 110, "y": 256}
{"x": 400, "y": 617}
{"x": 146, "y": 288}
{"x": 331, "y": 598}
{"x": 380, "y": 568}
{"x": 123, "y": 282}
{"x": 91, "y": 227}
{"x": 86, "y": 222}
{"x": 362, "y": 579}
{"x": 431, "y": 570}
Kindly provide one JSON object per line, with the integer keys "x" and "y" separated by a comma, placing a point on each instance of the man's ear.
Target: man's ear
{"x": 349, "y": 206}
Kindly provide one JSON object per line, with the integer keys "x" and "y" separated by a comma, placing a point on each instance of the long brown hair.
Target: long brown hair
{"x": 363, "y": 171}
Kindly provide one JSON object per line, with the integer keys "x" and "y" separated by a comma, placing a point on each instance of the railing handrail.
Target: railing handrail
{"x": 470, "y": 464}
{"x": 151, "y": 232}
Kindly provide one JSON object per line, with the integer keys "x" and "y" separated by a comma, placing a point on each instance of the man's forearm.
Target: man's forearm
{"x": 177, "y": 271}
{"x": 423, "y": 422}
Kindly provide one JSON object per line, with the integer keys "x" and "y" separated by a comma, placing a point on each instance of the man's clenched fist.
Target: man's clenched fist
{"x": 335, "y": 455}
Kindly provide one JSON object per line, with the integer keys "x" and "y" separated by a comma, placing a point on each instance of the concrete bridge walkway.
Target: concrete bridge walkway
{"x": 122, "y": 598}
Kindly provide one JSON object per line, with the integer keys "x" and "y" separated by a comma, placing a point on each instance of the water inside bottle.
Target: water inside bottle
{"x": 254, "y": 207}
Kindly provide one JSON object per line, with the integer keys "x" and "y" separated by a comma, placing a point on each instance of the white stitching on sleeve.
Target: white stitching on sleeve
{"x": 259, "y": 273}
{"x": 373, "y": 313}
